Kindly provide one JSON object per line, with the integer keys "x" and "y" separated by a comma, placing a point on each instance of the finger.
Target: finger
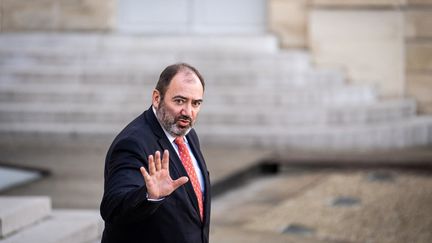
{"x": 165, "y": 160}
{"x": 145, "y": 174}
{"x": 157, "y": 161}
{"x": 152, "y": 169}
{"x": 180, "y": 181}
{"x": 148, "y": 182}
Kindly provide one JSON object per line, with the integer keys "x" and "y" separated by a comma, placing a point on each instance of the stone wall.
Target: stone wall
{"x": 57, "y": 15}
{"x": 394, "y": 53}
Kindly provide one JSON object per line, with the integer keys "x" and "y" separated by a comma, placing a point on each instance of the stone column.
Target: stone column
{"x": 384, "y": 43}
{"x": 368, "y": 43}
{"x": 418, "y": 16}
{"x": 288, "y": 20}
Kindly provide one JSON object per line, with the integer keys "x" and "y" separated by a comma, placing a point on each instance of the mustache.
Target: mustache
{"x": 183, "y": 117}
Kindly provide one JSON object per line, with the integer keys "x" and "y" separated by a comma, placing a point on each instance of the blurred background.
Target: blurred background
{"x": 316, "y": 123}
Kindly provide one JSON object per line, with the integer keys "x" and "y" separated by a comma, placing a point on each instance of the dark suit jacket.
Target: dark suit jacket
{"x": 129, "y": 216}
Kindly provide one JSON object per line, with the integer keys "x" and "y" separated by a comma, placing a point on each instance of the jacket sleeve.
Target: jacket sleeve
{"x": 125, "y": 195}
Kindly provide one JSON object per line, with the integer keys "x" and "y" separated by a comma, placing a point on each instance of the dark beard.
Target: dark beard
{"x": 169, "y": 123}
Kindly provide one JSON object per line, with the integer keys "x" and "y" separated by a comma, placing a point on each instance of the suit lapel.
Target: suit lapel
{"x": 199, "y": 157}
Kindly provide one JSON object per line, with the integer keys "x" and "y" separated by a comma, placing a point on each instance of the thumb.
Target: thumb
{"x": 180, "y": 181}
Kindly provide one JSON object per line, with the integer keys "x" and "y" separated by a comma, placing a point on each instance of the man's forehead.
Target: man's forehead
{"x": 187, "y": 75}
{"x": 185, "y": 78}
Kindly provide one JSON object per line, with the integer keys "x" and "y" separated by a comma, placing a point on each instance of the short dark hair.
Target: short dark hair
{"x": 168, "y": 74}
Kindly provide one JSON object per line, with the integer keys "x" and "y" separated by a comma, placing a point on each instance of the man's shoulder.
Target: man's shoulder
{"x": 135, "y": 135}
{"x": 193, "y": 137}
{"x": 137, "y": 128}
{"x": 192, "y": 134}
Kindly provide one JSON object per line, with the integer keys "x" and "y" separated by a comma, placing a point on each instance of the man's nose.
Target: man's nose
{"x": 187, "y": 110}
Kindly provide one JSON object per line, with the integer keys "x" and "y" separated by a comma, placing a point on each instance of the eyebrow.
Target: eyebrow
{"x": 179, "y": 97}
{"x": 184, "y": 98}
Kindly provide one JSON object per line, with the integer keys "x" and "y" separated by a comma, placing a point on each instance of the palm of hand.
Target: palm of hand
{"x": 158, "y": 180}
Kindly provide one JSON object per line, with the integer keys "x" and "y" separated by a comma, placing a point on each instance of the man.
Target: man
{"x": 157, "y": 186}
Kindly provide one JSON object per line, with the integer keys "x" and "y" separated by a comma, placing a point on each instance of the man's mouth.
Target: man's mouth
{"x": 184, "y": 121}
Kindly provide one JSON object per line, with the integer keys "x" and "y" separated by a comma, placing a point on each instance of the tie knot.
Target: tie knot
{"x": 179, "y": 141}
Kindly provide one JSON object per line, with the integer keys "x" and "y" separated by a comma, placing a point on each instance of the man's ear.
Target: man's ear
{"x": 156, "y": 98}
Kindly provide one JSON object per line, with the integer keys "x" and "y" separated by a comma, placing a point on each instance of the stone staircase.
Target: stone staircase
{"x": 31, "y": 219}
{"x": 91, "y": 85}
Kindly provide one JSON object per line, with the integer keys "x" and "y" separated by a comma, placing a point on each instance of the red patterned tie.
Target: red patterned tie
{"x": 187, "y": 163}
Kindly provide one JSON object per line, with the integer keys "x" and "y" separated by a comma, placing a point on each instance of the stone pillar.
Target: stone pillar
{"x": 394, "y": 53}
{"x": 418, "y": 17}
{"x": 367, "y": 43}
{"x": 288, "y": 20}
{"x": 57, "y": 15}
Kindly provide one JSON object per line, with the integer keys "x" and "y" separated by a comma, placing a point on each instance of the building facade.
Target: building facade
{"x": 385, "y": 43}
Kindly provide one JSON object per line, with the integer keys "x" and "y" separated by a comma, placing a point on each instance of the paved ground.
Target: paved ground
{"x": 296, "y": 205}
{"x": 329, "y": 206}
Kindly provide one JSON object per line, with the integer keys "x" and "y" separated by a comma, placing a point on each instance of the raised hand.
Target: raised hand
{"x": 158, "y": 180}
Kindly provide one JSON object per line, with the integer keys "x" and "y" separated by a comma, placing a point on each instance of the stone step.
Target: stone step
{"x": 47, "y": 130}
{"x": 396, "y": 134}
{"x": 129, "y": 75}
{"x": 80, "y": 84}
{"x": 151, "y": 61}
{"x": 17, "y": 213}
{"x": 112, "y": 93}
{"x": 281, "y": 96}
{"x": 390, "y": 110}
{"x": 65, "y": 226}
{"x": 373, "y": 112}
{"x": 159, "y": 44}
